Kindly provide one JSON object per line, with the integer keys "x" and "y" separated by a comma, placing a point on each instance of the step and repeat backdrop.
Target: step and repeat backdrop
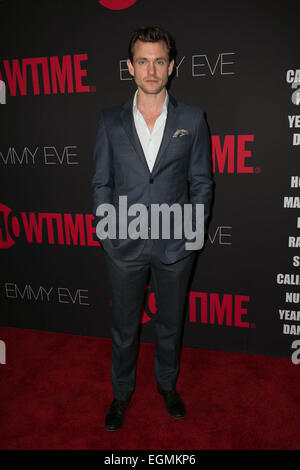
{"x": 61, "y": 63}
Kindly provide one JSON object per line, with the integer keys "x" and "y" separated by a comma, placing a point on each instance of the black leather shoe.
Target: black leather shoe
{"x": 115, "y": 416}
{"x": 174, "y": 403}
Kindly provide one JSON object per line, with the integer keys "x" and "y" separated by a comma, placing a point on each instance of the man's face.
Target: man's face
{"x": 150, "y": 68}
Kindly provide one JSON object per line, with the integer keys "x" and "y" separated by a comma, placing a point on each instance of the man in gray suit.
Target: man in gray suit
{"x": 154, "y": 150}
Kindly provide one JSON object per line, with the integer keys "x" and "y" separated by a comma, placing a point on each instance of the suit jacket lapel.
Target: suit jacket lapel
{"x": 168, "y": 131}
{"x": 129, "y": 126}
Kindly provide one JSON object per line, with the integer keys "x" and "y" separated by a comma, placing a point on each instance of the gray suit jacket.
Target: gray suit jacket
{"x": 181, "y": 173}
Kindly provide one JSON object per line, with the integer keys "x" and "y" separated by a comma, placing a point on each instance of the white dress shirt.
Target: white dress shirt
{"x": 150, "y": 141}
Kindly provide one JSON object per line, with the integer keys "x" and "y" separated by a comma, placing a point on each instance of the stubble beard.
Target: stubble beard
{"x": 154, "y": 91}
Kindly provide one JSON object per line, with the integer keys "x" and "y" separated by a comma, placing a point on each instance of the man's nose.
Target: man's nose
{"x": 151, "y": 68}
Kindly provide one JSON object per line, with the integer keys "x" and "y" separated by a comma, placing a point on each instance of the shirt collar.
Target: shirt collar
{"x": 164, "y": 108}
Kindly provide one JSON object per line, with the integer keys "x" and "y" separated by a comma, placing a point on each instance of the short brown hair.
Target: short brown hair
{"x": 152, "y": 34}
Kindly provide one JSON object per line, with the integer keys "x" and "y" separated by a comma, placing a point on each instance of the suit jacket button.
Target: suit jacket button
{"x": 151, "y": 180}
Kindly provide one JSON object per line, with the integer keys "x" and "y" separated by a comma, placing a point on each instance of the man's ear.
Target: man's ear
{"x": 130, "y": 67}
{"x": 170, "y": 67}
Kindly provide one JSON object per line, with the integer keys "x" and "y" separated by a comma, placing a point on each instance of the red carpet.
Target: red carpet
{"x": 55, "y": 391}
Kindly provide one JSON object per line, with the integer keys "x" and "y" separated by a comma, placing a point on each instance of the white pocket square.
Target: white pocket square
{"x": 180, "y": 133}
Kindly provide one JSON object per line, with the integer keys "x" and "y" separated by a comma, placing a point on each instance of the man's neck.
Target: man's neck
{"x": 148, "y": 103}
